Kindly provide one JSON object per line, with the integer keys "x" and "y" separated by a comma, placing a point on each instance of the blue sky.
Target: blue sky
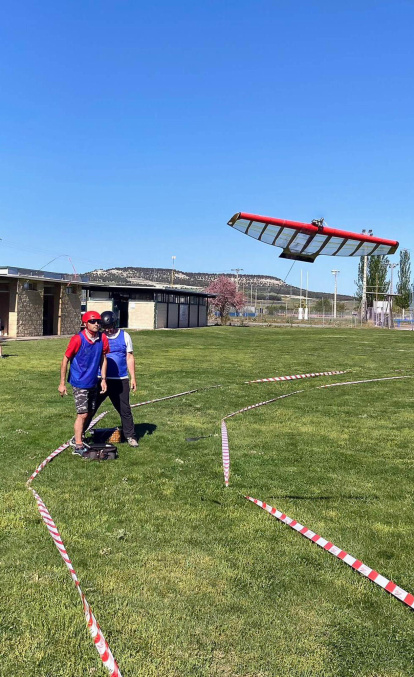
{"x": 131, "y": 132}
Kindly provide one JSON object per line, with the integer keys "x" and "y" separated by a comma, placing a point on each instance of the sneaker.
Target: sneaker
{"x": 80, "y": 451}
{"x": 132, "y": 442}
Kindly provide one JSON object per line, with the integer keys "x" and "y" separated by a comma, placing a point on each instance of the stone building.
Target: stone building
{"x": 40, "y": 303}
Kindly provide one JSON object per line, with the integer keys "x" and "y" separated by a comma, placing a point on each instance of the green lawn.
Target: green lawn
{"x": 185, "y": 577}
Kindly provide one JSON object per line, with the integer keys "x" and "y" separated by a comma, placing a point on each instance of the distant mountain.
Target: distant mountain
{"x": 268, "y": 287}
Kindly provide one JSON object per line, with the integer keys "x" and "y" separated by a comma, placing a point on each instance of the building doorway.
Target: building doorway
{"x": 49, "y": 305}
{"x": 4, "y": 308}
{"x": 121, "y": 309}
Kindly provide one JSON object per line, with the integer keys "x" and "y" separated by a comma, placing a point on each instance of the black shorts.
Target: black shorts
{"x": 85, "y": 399}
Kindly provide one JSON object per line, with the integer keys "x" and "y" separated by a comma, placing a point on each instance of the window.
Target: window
{"x": 100, "y": 295}
{"x": 30, "y": 286}
{"x": 161, "y": 297}
{"x": 141, "y": 296}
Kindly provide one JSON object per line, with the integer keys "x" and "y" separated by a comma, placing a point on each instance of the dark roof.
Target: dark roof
{"x": 132, "y": 287}
{"x": 12, "y": 271}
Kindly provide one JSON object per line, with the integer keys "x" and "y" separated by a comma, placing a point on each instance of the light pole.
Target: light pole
{"x": 237, "y": 271}
{"x": 364, "y": 282}
{"x": 173, "y": 270}
{"x": 335, "y": 273}
{"x": 390, "y": 317}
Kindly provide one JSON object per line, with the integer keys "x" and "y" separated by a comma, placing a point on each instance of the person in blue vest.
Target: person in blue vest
{"x": 120, "y": 363}
{"x": 86, "y": 354}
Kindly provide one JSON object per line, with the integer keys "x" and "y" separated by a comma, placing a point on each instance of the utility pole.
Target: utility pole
{"x": 390, "y": 317}
{"x": 364, "y": 283}
{"x": 306, "y": 301}
{"x": 335, "y": 273}
{"x": 237, "y": 271}
{"x": 364, "y": 292}
{"x": 173, "y": 270}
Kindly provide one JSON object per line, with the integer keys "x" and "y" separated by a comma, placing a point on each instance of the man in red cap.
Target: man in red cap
{"x": 86, "y": 354}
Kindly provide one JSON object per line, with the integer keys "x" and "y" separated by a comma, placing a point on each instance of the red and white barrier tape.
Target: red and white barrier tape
{"x": 261, "y": 404}
{"x": 225, "y": 451}
{"x": 354, "y": 563}
{"x": 160, "y": 399}
{"x": 171, "y": 397}
{"x": 99, "y": 640}
{"x": 365, "y": 380}
{"x": 297, "y": 376}
{"x": 97, "y": 636}
{"x": 62, "y": 448}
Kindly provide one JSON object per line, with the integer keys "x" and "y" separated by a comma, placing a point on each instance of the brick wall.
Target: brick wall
{"x": 29, "y": 308}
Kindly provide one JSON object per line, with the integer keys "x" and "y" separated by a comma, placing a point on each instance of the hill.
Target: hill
{"x": 267, "y": 286}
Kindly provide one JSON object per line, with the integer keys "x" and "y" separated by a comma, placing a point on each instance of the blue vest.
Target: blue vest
{"x": 84, "y": 366}
{"x": 117, "y": 357}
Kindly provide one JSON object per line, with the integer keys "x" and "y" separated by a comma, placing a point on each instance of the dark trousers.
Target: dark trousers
{"x": 118, "y": 393}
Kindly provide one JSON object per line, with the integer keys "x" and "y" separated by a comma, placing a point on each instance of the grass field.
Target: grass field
{"x": 184, "y": 576}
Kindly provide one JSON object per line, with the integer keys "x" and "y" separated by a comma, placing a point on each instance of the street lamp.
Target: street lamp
{"x": 335, "y": 273}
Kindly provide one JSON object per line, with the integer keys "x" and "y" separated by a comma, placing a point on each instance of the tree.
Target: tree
{"x": 323, "y": 306}
{"x": 227, "y": 297}
{"x": 377, "y": 272}
{"x": 404, "y": 281}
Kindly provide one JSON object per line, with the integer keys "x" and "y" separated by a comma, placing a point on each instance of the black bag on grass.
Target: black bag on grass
{"x": 101, "y": 451}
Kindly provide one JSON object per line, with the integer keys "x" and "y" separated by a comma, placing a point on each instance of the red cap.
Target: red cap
{"x": 90, "y": 315}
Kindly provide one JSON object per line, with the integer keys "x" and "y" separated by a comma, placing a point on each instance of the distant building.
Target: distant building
{"x": 149, "y": 307}
{"x": 41, "y": 303}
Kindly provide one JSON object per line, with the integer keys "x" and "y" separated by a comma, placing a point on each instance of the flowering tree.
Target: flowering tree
{"x": 227, "y": 297}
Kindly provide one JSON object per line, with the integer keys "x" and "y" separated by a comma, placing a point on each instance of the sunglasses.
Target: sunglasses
{"x": 94, "y": 321}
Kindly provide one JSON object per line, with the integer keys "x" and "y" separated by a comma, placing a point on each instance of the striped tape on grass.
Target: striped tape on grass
{"x": 294, "y": 377}
{"x": 354, "y": 563}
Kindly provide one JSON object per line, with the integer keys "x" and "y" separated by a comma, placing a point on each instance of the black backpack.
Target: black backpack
{"x": 101, "y": 451}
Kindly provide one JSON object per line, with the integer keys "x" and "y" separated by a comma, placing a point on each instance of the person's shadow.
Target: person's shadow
{"x": 142, "y": 429}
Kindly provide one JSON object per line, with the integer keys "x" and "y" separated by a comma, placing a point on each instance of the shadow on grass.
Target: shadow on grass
{"x": 211, "y": 500}
{"x": 203, "y": 437}
{"x": 142, "y": 429}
